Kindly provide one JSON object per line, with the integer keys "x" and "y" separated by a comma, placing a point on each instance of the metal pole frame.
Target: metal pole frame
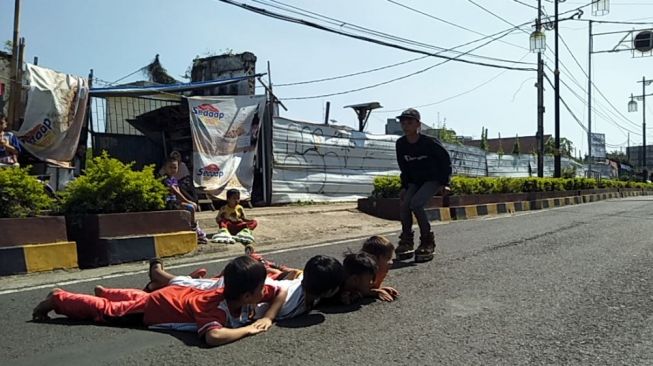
{"x": 644, "y": 165}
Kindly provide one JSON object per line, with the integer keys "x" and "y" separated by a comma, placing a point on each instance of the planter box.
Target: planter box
{"x": 104, "y": 239}
{"x": 35, "y": 244}
{"x": 480, "y": 199}
{"x": 32, "y": 230}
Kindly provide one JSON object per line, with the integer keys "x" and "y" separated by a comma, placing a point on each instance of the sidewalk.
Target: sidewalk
{"x": 308, "y": 224}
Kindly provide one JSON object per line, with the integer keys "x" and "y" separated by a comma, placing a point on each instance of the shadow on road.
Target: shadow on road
{"x": 399, "y": 264}
{"x": 303, "y": 321}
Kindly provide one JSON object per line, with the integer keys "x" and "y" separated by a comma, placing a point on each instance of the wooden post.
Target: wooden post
{"x": 18, "y": 92}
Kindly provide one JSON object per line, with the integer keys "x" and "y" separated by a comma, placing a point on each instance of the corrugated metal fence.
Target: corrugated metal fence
{"x": 313, "y": 162}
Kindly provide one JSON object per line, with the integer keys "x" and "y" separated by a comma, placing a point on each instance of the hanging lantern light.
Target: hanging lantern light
{"x": 632, "y": 105}
{"x": 600, "y": 7}
{"x": 538, "y": 41}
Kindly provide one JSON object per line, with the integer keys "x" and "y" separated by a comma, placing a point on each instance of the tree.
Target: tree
{"x": 446, "y": 135}
{"x": 566, "y": 147}
{"x": 8, "y": 46}
{"x": 516, "y": 147}
{"x": 500, "y": 149}
{"x": 484, "y": 145}
{"x": 619, "y": 157}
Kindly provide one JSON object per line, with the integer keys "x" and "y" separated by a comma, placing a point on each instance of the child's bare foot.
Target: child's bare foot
{"x": 41, "y": 310}
{"x": 198, "y": 273}
{"x": 99, "y": 291}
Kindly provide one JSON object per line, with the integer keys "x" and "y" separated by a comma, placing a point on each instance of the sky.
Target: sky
{"x": 117, "y": 37}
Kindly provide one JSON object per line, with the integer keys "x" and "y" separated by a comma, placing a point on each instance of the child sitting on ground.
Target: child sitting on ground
{"x": 234, "y": 225}
{"x": 212, "y": 312}
{"x": 320, "y": 279}
{"x": 176, "y": 199}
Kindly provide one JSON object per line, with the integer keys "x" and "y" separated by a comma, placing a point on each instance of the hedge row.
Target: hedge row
{"x": 390, "y": 185}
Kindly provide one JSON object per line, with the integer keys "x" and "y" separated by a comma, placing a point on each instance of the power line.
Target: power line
{"x": 351, "y": 74}
{"x": 363, "y": 38}
{"x": 594, "y": 85}
{"x": 450, "y": 97}
{"x": 343, "y": 24}
{"x": 567, "y": 107}
{"x": 448, "y": 22}
{"x": 395, "y": 79}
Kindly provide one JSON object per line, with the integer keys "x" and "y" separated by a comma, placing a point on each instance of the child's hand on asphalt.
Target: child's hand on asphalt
{"x": 383, "y": 295}
{"x": 252, "y": 330}
{"x": 392, "y": 291}
{"x": 263, "y": 324}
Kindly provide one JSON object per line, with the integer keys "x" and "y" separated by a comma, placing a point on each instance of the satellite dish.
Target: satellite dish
{"x": 643, "y": 41}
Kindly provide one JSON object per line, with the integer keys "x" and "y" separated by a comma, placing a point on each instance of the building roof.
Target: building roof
{"x": 527, "y": 144}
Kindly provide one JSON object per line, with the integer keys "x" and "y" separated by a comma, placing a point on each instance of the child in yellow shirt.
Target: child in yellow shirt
{"x": 232, "y": 221}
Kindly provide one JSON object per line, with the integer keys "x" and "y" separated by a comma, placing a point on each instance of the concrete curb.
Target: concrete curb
{"x": 493, "y": 209}
{"x": 142, "y": 247}
{"x": 31, "y": 258}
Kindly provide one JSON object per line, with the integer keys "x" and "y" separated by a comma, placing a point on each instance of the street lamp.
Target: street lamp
{"x": 600, "y": 7}
{"x": 632, "y": 105}
{"x": 538, "y": 41}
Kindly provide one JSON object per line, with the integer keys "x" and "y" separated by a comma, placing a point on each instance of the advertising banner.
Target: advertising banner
{"x": 225, "y": 133}
{"x": 54, "y": 114}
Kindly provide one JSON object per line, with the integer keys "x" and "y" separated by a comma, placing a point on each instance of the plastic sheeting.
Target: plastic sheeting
{"x": 314, "y": 162}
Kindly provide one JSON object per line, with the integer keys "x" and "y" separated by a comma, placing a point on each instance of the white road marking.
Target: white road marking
{"x": 195, "y": 264}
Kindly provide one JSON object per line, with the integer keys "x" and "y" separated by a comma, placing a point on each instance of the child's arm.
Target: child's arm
{"x": 217, "y": 337}
{"x": 266, "y": 321}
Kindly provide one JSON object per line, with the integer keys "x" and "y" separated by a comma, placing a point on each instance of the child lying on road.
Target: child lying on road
{"x": 219, "y": 315}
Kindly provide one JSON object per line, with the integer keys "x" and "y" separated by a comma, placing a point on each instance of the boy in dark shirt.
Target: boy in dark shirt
{"x": 425, "y": 168}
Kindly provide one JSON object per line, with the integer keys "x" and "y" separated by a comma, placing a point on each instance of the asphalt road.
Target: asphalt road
{"x": 565, "y": 286}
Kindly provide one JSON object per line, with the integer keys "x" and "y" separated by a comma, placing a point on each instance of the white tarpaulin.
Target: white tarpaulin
{"x": 225, "y": 133}
{"x": 54, "y": 115}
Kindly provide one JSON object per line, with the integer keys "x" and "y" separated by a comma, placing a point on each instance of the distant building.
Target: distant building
{"x": 527, "y": 144}
{"x": 222, "y": 67}
{"x": 634, "y": 154}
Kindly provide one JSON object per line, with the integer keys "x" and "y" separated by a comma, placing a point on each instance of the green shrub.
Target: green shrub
{"x": 386, "y": 186}
{"x": 389, "y": 186}
{"x": 109, "y": 186}
{"x": 22, "y": 195}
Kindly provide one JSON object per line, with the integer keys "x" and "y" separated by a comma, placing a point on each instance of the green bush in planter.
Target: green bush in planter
{"x": 386, "y": 186}
{"x": 109, "y": 186}
{"x": 21, "y": 195}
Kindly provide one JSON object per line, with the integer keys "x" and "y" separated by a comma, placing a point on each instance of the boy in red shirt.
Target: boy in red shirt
{"x": 213, "y": 312}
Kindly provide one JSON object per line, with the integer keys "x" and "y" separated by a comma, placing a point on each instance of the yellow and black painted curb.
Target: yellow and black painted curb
{"x": 490, "y": 209}
{"x": 135, "y": 248}
{"x": 37, "y": 258}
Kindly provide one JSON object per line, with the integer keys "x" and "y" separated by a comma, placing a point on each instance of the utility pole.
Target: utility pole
{"x": 14, "y": 94}
{"x": 556, "y": 151}
{"x": 589, "y": 102}
{"x": 644, "y": 170}
{"x": 540, "y": 99}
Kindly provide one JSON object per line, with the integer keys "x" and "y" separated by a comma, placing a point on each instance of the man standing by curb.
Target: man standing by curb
{"x": 425, "y": 168}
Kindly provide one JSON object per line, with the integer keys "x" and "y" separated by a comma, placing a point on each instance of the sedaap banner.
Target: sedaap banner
{"x": 54, "y": 114}
{"x": 225, "y": 134}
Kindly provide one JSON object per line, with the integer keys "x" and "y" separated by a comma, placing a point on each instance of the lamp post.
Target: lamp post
{"x": 538, "y": 44}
